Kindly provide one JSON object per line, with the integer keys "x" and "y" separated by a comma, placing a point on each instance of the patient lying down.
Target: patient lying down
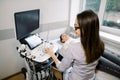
{"x": 66, "y": 40}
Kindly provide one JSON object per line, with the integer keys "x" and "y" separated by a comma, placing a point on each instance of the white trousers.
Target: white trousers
{"x": 93, "y": 78}
{"x": 65, "y": 74}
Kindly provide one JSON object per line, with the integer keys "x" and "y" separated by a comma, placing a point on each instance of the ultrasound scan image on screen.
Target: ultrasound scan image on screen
{"x": 26, "y": 22}
{"x": 33, "y": 41}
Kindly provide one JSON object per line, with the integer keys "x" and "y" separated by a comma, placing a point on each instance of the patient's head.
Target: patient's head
{"x": 64, "y": 37}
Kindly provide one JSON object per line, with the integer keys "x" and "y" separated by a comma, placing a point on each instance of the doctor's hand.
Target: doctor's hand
{"x": 49, "y": 51}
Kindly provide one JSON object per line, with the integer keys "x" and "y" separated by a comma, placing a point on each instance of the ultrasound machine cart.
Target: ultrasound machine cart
{"x": 38, "y": 63}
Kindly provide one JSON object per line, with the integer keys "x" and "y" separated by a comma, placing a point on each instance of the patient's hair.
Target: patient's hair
{"x": 61, "y": 39}
{"x": 89, "y": 27}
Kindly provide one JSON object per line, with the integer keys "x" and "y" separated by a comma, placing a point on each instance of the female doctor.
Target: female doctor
{"x": 83, "y": 56}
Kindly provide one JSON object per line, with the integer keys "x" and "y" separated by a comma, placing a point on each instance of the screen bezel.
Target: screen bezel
{"x": 27, "y": 17}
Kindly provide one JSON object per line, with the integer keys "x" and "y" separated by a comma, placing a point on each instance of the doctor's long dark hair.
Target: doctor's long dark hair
{"x": 89, "y": 26}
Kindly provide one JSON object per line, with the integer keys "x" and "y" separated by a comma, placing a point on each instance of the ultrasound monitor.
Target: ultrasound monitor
{"x": 26, "y": 22}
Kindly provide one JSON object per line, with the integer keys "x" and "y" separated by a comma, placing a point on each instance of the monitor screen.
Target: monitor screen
{"x": 26, "y": 22}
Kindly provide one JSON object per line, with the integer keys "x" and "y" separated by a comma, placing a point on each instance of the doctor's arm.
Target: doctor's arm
{"x": 51, "y": 53}
{"x": 64, "y": 63}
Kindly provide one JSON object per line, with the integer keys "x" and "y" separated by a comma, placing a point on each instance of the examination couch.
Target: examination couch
{"x": 109, "y": 63}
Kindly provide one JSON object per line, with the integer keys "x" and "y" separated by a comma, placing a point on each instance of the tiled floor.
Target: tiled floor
{"x": 104, "y": 76}
{"x": 99, "y": 76}
{"x": 17, "y": 77}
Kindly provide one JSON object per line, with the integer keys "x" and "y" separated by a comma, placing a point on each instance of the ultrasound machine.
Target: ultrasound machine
{"x": 32, "y": 48}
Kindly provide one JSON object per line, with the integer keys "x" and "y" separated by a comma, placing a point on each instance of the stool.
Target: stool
{"x": 57, "y": 73}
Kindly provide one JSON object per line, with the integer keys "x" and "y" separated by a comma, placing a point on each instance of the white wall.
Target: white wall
{"x": 74, "y": 10}
{"x": 51, "y": 11}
